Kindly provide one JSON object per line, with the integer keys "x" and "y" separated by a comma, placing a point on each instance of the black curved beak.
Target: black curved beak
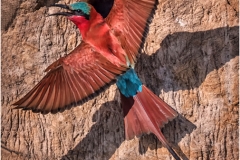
{"x": 62, "y": 13}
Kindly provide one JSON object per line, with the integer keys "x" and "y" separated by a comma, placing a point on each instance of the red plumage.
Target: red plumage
{"x": 109, "y": 47}
{"x": 70, "y": 81}
{"x": 146, "y": 113}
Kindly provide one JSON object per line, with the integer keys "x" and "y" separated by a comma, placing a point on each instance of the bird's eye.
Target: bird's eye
{"x": 79, "y": 11}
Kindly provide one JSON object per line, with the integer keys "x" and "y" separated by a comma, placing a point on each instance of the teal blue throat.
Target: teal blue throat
{"x": 129, "y": 83}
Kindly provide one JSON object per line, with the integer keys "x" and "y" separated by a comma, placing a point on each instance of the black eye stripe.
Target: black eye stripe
{"x": 81, "y": 13}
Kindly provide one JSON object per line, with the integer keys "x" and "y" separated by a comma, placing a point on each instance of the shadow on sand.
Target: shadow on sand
{"x": 182, "y": 62}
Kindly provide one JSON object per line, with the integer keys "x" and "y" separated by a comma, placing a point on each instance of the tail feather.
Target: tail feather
{"x": 133, "y": 126}
{"x": 145, "y": 113}
{"x": 163, "y": 107}
{"x": 156, "y": 112}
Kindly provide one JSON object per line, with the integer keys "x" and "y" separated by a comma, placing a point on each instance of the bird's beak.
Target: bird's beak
{"x": 62, "y": 13}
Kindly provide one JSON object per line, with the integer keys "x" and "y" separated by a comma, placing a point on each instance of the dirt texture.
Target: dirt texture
{"x": 190, "y": 59}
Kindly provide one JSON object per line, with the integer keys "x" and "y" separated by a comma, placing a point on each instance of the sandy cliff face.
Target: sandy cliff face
{"x": 190, "y": 59}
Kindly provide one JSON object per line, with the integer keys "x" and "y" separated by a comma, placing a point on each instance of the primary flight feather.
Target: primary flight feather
{"x": 107, "y": 53}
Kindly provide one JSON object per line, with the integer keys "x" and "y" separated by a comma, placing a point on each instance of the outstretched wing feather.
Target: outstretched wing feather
{"x": 71, "y": 80}
{"x": 129, "y": 19}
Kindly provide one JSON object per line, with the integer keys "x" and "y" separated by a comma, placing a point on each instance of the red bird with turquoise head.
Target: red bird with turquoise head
{"x": 106, "y": 54}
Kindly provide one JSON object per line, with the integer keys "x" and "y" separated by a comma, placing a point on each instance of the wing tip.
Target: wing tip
{"x": 61, "y": 109}
{"x": 149, "y": 20}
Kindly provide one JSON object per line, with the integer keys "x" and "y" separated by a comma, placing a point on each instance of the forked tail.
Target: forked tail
{"x": 147, "y": 113}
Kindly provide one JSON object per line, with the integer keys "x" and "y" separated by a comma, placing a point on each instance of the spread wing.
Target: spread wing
{"x": 70, "y": 81}
{"x": 130, "y": 19}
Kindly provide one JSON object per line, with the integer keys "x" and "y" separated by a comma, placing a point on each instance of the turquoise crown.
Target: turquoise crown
{"x": 82, "y": 6}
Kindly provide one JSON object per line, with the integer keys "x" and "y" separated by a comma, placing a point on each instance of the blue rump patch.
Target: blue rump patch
{"x": 129, "y": 83}
{"x": 82, "y": 6}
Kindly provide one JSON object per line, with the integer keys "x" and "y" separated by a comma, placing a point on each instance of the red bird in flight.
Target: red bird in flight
{"x": 107, "y": 53}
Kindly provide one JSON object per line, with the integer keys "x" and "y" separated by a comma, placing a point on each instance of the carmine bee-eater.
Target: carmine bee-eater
{"x": 107, "y": 53}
